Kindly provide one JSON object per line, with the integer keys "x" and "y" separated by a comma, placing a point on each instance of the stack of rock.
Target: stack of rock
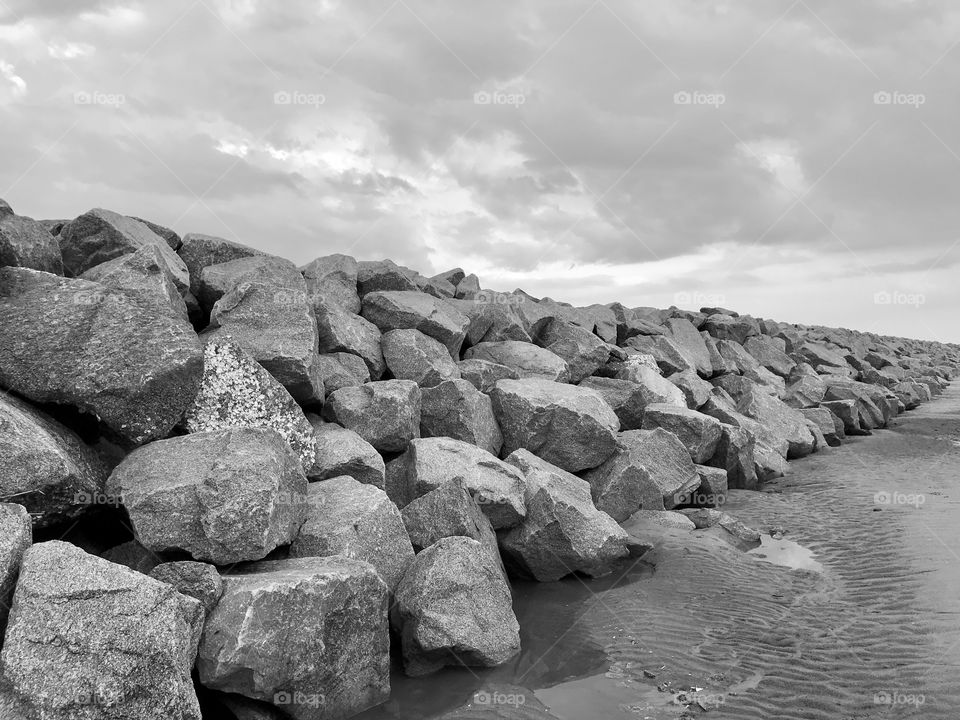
{"x": 304, "y": 458}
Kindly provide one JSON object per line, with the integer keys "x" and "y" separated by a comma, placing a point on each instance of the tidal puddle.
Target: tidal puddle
{"x": 786, "y": 553}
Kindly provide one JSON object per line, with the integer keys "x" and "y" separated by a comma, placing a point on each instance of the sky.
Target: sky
{"x": 792, "y": 159}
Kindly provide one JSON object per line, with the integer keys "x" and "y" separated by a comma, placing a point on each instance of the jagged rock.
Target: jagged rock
{"x": 699, "y": 433}
{"x": 713, "y": 487}
{"x": 652, "y": 387}
{"x": 819, "y": 355}
{"x": 53, "y": 336}
{"x": 484, "y": 374}
{"x": 453, "y": 276}
{"x": 769, "y": 450}
{"x": 911, "y": 394}
{"x": 199, "y": 251}
{"x": 456, "y": 409}
{"x": 454, "y": 607}
{"x": 341, "y": 331}
{"x": 631, "y": 327}
{"x": 628, "y": 399}
{"x": 169, "y": 236}
{"x": 16, "y": 536}
{"x": 770, "y": 355}
{"x": 703, "y": 518}
{"x": 385, "y": 413}
{"x": 824, "y": 420}
{"x": 91, "y": 639}
{"x": 651, "y": 470}
{"x": 26, "y": 243}
{"x": 737, "y": 357}
{"x": 101, "y": 235}
{"x": 568, "y": 426}
{"x": 343, "y": 452}
{"x": 374, "y": 275}
{"x": 726, "y": 327}
{"x": 404, "y": 310}
{"x": 492, "y": 320}
{"x": 736, "y": 454}
{"x": 874, "y": 413}
{"x": 411, "y": 355}
{"x": 849, "y": 415}
{"x": 468, "y": 287}
{"x": 44, "y": 466}
{"x": 721, "y": 366}
{"x": 358, "y": 521}
{"x": 332, "y": 281}
{"x": 236, "y": 392}
{"x": 804, "y": 389}
{"x": 581, "y": 350}
{"x": 266, "y": 312}
{"x": 562, "y": 532}
{"x": 670, "y": 358}
{"x": 526, "y": 360}
{"x": 340, "y": 370}
{"x": 308, "y": 635}
{"x": 223, "y": 496}
{"x": 198, "y": 580}
{"x": 496, "y": 486}
{"x": 777, "y": 418}
{"x": 696, "y": 391}
{"x": 686, "y": 336}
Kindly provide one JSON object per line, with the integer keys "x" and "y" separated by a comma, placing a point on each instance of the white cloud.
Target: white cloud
{"x": 70, "y": 50}
{"x": 17, "y": 86}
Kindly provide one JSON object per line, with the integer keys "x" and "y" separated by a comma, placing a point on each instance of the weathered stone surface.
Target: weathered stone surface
{"x": 628, "y": 399}
{"x": 385, "y": 413}
{"x": 849, "y": 415}
{"x": 44, "y": 466}
{"x": 804, "y": 388}
{"x": 26, "y": 243}
{"x": 699, "y": 433}
{"x": 874, "y": 412}
{"x": 526, "y": 360}
{"x": 685, "y": 334}
{"x": 770, "y": 355}
{"x": 332, "y": 281}
{"x": 169, "y": 236}
{"x": 562, "y": 532}
{"x": 824, "y": 420}
{"x": 670, "y": 358}
{"x": 133, "y": 555}
{"x": 90, "y": 639}
{"x": 374, "y": 275}
{"x": 341, "y": 331}
{"x": 703, "y": 518}
{"x": 468, "y": 287}
{"x": 69, "y": 341}
{"x": 404, "y": 310}
{"x": 411, "y": 355}
{"x": 643, "y": 519}
{"x": 454, "y": 607}
{"x": 493, "y": 317}
{"x": 199, "y": 251}
{"x": 198, "y": 580}
{"x": 484, "y": 374}
{"x": 817, "y": 355}
{"x": 651, "y": 470}
{"x": 101, "y": 235}
{"x": 16, "y": 535}
{"x": 581, "y": 350}
{"x": 456, "y": 409}
{"x": 696, "y": 391}
{"x": 568, "y": 426}
{"x": 713, "y": 487}
{"x": 223, "y": 496}
{"x": 726, "y": 327}
{"x": 309, "y": 635}
{"x": 236, "y": 391}
{"x": 266, "y": 312}
{"x": 777, "y": 418}
{"x": 736, "y": 454}
{"x": 496, "y": 486}
{"x": 358, "y": 521}
{"x": 340, "y": 370}
{"x": 651, "y": 385}
{"x": 343, "y": 452}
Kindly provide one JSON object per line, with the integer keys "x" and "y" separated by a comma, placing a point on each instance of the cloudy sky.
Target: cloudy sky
{"x": 798, "y": 160}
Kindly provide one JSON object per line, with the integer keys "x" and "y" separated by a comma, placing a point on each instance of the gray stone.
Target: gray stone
{"x": 332, "y": 281}
{"x": 169, "y": 236}
{"x": 780, "y": 420}
{"x": 358, "y": 521}
{"x": 670, "y": 358}
{"x": 484, "y": 374}
{"x": 736, "y": 455}
{"x": 26, "y": 243}
{"x": 627, "y": 398}
{"x": 404, "y": 310}
{"x": 90, "y": 639}
{"x": 713, "y": 489}
{"x": 685, "y": 334}
{"x": 770, "y": 355}
{"x": 726, "y": 327}
{"x": 340, "y": 370}
{"x": 16, "y": 536}
{"x": 527, "y": 361}
{"x": 824, "y": 420}
{"x": 223, "y": 496}
{"x": 652, "y": 386}
{"x": 44, "y": 466}
{"x": 804, "y": 388}
{"x": 696, "y": 391}
{"x": 133, "y": 555}
{"x": 374, "y": 275}
{"x": 341, "y": 331}
{"x": 308, "y": 635}
{"x": 849, "y": 415}
{"x": 411, "y": 355}
{"x": 64, "y": 341}
{"x": 454, "y": 608}
{"x": 581, "y": 350}
{"x": 456, "y": 409}
{"x": 817, "y": 355}
{"x": 699, "y": 433}
{"x": 568, "y": 426}
{"x": 343, "y": 452}
{"x": 199, "y": 251}
{"x": 385, "y": 413}
{"x": 198, "y": 580}
{"x": 468, "y": 287}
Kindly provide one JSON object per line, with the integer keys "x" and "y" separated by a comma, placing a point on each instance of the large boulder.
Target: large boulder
{"x": 582, "y": 351}
{"x": 569, "y": 426}
{"x": 385, "y": 413}
{"x": 696, "y": 391}
{"x": 16, "y": 536}
{"x": 805, "y": 388}
{"x": 406, "y": 310}
{"x": 526, "y": 360}
{"x": 429, "y": 462}
{"x": 686, "y": 336}
{"x": 650, "y": 470}
{"x": 340, "y": 370}
{"x": 849, "y": 415}
{"x": 309, "y": 635}
{"x": 198, "y": 580}
{"x": 44, "y": 466}
{"x": 874, "y": 412}
{"x": 411, "y": 355}
{"x": 223, "y": 496}
{"x": 453, "y": 607}
{"x": 652, "y": 386}
{"x": 341, "y": 451}
{"x": 332, "y": 282}
{"x": 698, "y": 432}
{"x": 90, "y": 639}
{"x": 736, "y": 454}
{"x": 782, "y": 421}
{"x": 340, "y": 331}
{"x": 493, "y": 317}
{"x": 819, "y": 355}
{"x": 726, "y": 327}
{"x": 26, "y": 243}
{"x": 76, "y": 342}
{"x": 456, "y": 409}
{"x": 769, "y": 354}
{"x": 199, "y": 251}
{"x": 358, "y": 521}
{"x": 374, "y": 275}
{"x": 267, "y": 312}
{"x": 563, "y": 532}
{"x": 669, "y": 356}
{"x": 628, "y": 399}
{"x": 236, "y": 391}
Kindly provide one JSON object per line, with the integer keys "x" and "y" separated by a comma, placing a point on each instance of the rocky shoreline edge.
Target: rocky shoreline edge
{"x": 219, "y": 471}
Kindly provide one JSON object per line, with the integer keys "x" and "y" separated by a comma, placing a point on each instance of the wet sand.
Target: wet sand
{"x": 868, "y": 613}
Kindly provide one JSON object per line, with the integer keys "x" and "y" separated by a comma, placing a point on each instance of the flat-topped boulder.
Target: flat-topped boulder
{"x": 385, "y": 413}
{"x": 582, "y": 351}
{"x": 406, "y": 310}
{"x": 698, "y": 432}
{"x": 411, "y": 355}
{"x": 341, "y": 451}
{"x": 199, "y": 251}
{"x": 526, "y": 360}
